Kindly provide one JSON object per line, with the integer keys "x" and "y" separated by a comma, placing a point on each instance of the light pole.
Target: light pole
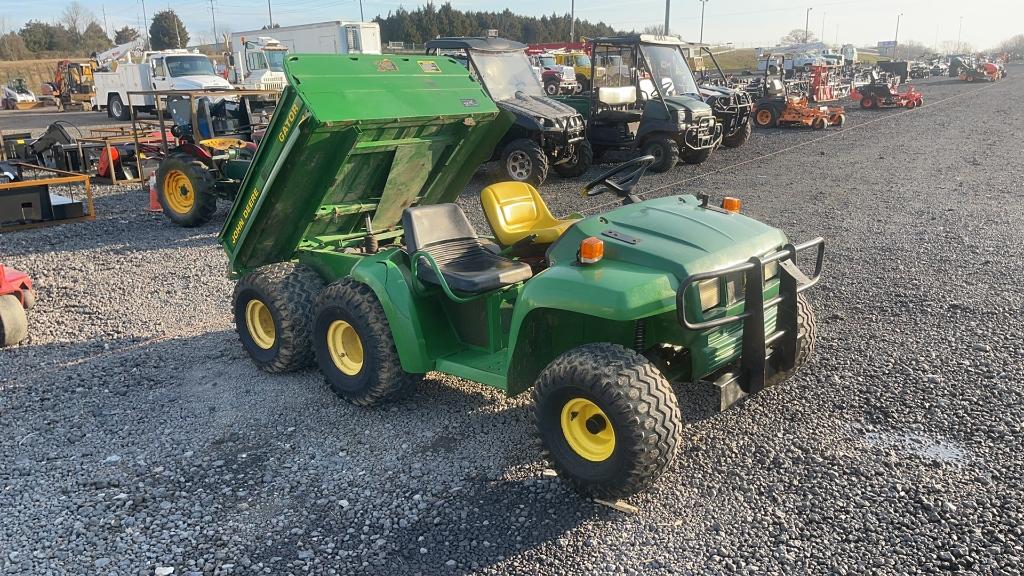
{"x": 270, "y": 16}
{"x": 667, "y": 5}
{"x": 702, "y": 4}
{"x": 896, "y": 39}
{"x": 807, "y": 25}
{"x": 361, "y": 18}
{"x": 959, "y": 34}
{"x": 572, "y": 20}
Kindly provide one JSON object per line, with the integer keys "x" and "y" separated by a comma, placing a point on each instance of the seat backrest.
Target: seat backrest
{"x": 513, "y": 208}
{"x": 775, "y": 87}
{"x": 433, "y": 224}
{"x": 616, "y": 95}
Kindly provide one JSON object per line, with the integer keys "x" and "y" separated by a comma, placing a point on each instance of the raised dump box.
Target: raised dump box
{"x": 357, "y": 139}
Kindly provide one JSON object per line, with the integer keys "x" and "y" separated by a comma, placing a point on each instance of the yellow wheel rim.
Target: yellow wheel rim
{"x": 345, "y": 347}
{"x": 588, "y": 430}
{"x": 260, "y": 324}
{"x": 178, "y": 192}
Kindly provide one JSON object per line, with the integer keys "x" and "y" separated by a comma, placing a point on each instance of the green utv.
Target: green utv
{"x": 350, "y": 252}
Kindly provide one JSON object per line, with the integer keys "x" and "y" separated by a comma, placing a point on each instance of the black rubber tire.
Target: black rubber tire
{"x": 380, "y": 378}
{"x": 740, "y": 137}
{"x": 579, "y": 164}
{"x": 868, "y": 103}
{"x": 538, "y": 169}
{"x": 807, "y": 330}
{"x": 552, "y": 88}
{"x": 696, "y": 156}
{"x": 289, "y": 291}
{"x": 665, "y": 152}
{"x": 840, "y": 120}
{"x": 13, "y": 322}
{"x": 819, "y": 123}
{"x": 639, "y": 403}
{"x": 116, "y": 109}
{"x": 205, "y": 204}
{"x": 773, "y": 117}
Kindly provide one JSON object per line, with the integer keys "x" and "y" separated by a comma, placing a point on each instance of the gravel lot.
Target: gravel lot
{"x": 135, "y": 435}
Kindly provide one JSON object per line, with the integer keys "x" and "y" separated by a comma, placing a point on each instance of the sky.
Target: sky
{"x": 745, "y": 23}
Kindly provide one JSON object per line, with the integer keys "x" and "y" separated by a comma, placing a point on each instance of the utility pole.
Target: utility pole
{"x": 106, "y": 27}
{"x": 896, "y": 39}
{"x": 807, "y": 25}
{"x": 213, "y": 15}
{"x": 702, "y": 4}
{"x": 361, "y": 18}
{"x": 145, "y": 25}
{"x": 959, "y": 35}
{"x": 572, "y": 20}
{"x": 667, "y": 2}
{"x": 270, "y": 16}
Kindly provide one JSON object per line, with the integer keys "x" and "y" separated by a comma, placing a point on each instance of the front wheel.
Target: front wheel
{"x": 819, "y": 123}
{"x": 580, "y": 162}
{"x": 13, "y": 322}
{"x": 665, "y": 152}
{"x": 696, "y": 156}
{"x": 607, "y": 419}
{"x": 354, "y": 348}
{"x": 551, "y": 88}
{"x": 807, "y": 335}
{"x": 523, "y": 160}
{"x": 740, "y": 136}
{"x": 838, "y": 120}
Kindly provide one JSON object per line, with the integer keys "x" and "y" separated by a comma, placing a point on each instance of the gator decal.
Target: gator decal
{"x": 293, "y": 113}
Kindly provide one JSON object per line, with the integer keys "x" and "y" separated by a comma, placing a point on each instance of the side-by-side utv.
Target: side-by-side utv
{"x": 545, "y": 132}
{"x": 653, "y": 106}
{"x": 731, "y": 107}
{"x": 350, "y": 252}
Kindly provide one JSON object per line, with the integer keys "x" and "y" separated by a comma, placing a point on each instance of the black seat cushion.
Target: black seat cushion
{"x": 444, "y": 232}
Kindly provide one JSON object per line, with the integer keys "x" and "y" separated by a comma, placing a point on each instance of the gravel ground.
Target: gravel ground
{"x": 135, "y": 436}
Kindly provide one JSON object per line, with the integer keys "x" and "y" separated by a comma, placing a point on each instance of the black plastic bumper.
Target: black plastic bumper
{"x": 753, "y": 361}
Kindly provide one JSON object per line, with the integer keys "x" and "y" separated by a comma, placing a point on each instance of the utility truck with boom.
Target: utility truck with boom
{"x": 351, "y": 253}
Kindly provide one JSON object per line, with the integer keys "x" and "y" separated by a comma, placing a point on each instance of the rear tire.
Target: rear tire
{"x": 580, "y": 162}
{"x": 13, "y": 322}
{"x": 868, "y": 103}
{"x": 665, "y": 152}
{"x": 633, "y": 425}
{"x": 184, "y": 187}
{"x": 740, "y": 137}
{"x": 523, "y": 160}
{"x": 116, "y": 109}
{"x": 354, "y": 347}
{"x": 273, "y": 309}
{"x": 696, "y": 156}
{"x": 766, "y": 117}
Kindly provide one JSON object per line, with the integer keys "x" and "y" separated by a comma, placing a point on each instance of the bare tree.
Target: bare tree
{"x": 798, "y": 36}
{"x": 658, "y": 29}
{"x": 76, "y": 17}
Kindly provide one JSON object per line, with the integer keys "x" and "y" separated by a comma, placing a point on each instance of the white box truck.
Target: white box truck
{"x": 256, "y": 62}
{"x": 164, "y": 70}
{"x": 333, "y": 37}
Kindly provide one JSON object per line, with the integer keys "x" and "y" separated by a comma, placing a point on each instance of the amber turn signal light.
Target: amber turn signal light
{"x": 731, "y": 204}
{"x": 591, "y": 250}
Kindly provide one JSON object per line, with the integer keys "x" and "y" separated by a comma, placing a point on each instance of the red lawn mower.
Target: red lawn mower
{"x": 16, "y": 296}
{"x": 882, "y": 94}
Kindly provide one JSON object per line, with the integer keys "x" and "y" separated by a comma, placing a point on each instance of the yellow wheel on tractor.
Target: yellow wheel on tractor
{"x": 179, "y": 193}
{"x": 607, "y": 418}
{"x": 184, "y": 187}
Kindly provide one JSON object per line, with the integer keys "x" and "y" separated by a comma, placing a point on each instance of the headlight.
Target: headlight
{"x": 709, "y": 294}
{"x": 771, "y": 270}
{"x": 734, "y": 284}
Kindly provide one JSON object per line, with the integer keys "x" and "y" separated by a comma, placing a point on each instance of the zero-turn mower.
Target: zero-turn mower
{"x": 350, "y": 253}
{"x": 777, "y": 107}
{"x": 16, "y": 296}
{"x": 880, "y": 93}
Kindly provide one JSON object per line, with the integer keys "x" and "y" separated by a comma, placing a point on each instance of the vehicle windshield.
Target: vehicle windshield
{"x": 275, "y": 59}
{"x": 505, "y": 73}
{"x": 189, "y": 66}
{"x": 669, "y": 67}
{"x": 547, "y": 61}
{"x": 582, "y": 60}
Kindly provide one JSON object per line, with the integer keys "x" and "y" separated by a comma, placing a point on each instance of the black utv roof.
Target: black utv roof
{"x": 633, "y": 39}
{"x": 476, "y": 43}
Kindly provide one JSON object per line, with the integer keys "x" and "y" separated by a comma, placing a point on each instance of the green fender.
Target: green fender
{"x": 569, "y": 305}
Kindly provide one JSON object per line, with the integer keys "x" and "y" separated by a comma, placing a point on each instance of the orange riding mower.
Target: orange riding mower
{"x": 882, "y": 94}
{"x": 777, "y": 108}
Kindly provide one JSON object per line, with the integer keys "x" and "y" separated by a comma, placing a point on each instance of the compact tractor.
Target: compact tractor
{"x": 731, "y": 106}
{"x": 16, "y": 296}
{"x": 778, "y": 108}
{"x": 214, "y": 143}
{"x": 350, "y": 253}
{"x": 656, "y": 109}
{"x": 880, "y": 93}
{"x": 545, "y": 133}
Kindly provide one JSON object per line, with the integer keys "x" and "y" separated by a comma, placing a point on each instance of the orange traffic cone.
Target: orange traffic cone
{"x": 154, "y": 202}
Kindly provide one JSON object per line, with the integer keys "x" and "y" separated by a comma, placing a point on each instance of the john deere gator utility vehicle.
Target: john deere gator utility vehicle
{"x": 545, "y": 133}
{"x": 731, "y": 106}
{"x": 656, "y": 109}
{"x": 349, "y": 251}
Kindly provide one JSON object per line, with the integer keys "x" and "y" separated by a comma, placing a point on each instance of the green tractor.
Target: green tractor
{"x": 350, "y": 253}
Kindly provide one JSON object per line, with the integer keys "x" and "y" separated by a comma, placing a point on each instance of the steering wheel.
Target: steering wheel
{"x": 629, "y": 175}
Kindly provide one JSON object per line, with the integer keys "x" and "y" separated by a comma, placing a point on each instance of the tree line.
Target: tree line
{"x": 429, "y": 21}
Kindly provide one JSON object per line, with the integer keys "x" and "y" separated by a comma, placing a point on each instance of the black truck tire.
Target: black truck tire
{"x": 581, "y": 161}
{"x": 116, "y": 109}
{"x": 523, "y": 160}
{"x": 552, "y": 88}
{"x": 273, "y": 309}
{"x": 607, "y": 419}
{"x": 697, "y": 156}
{"x": 807, "y": 335}
{"x": 665, "y": 152}
{"x": 13, "y": 322}
{"x": 354, "y": 347}
{"x": 740, "y": 136}
{"x": 184, "y": 187}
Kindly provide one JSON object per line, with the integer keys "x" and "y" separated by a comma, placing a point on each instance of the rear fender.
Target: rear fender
{"x": 567, "y": 306}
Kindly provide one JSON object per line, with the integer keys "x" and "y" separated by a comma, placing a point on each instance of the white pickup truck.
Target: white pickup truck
{"x": 164, "y": 70}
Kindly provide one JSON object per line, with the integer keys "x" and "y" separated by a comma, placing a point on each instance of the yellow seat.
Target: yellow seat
{"x": 515, "y": 210}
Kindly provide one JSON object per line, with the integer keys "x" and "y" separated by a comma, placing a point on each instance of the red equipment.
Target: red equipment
{"x": 880, "y": 93}
{"x": 16, "y": 296}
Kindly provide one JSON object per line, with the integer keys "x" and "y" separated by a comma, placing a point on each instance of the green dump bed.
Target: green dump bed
{"x": 354, "y": 136}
